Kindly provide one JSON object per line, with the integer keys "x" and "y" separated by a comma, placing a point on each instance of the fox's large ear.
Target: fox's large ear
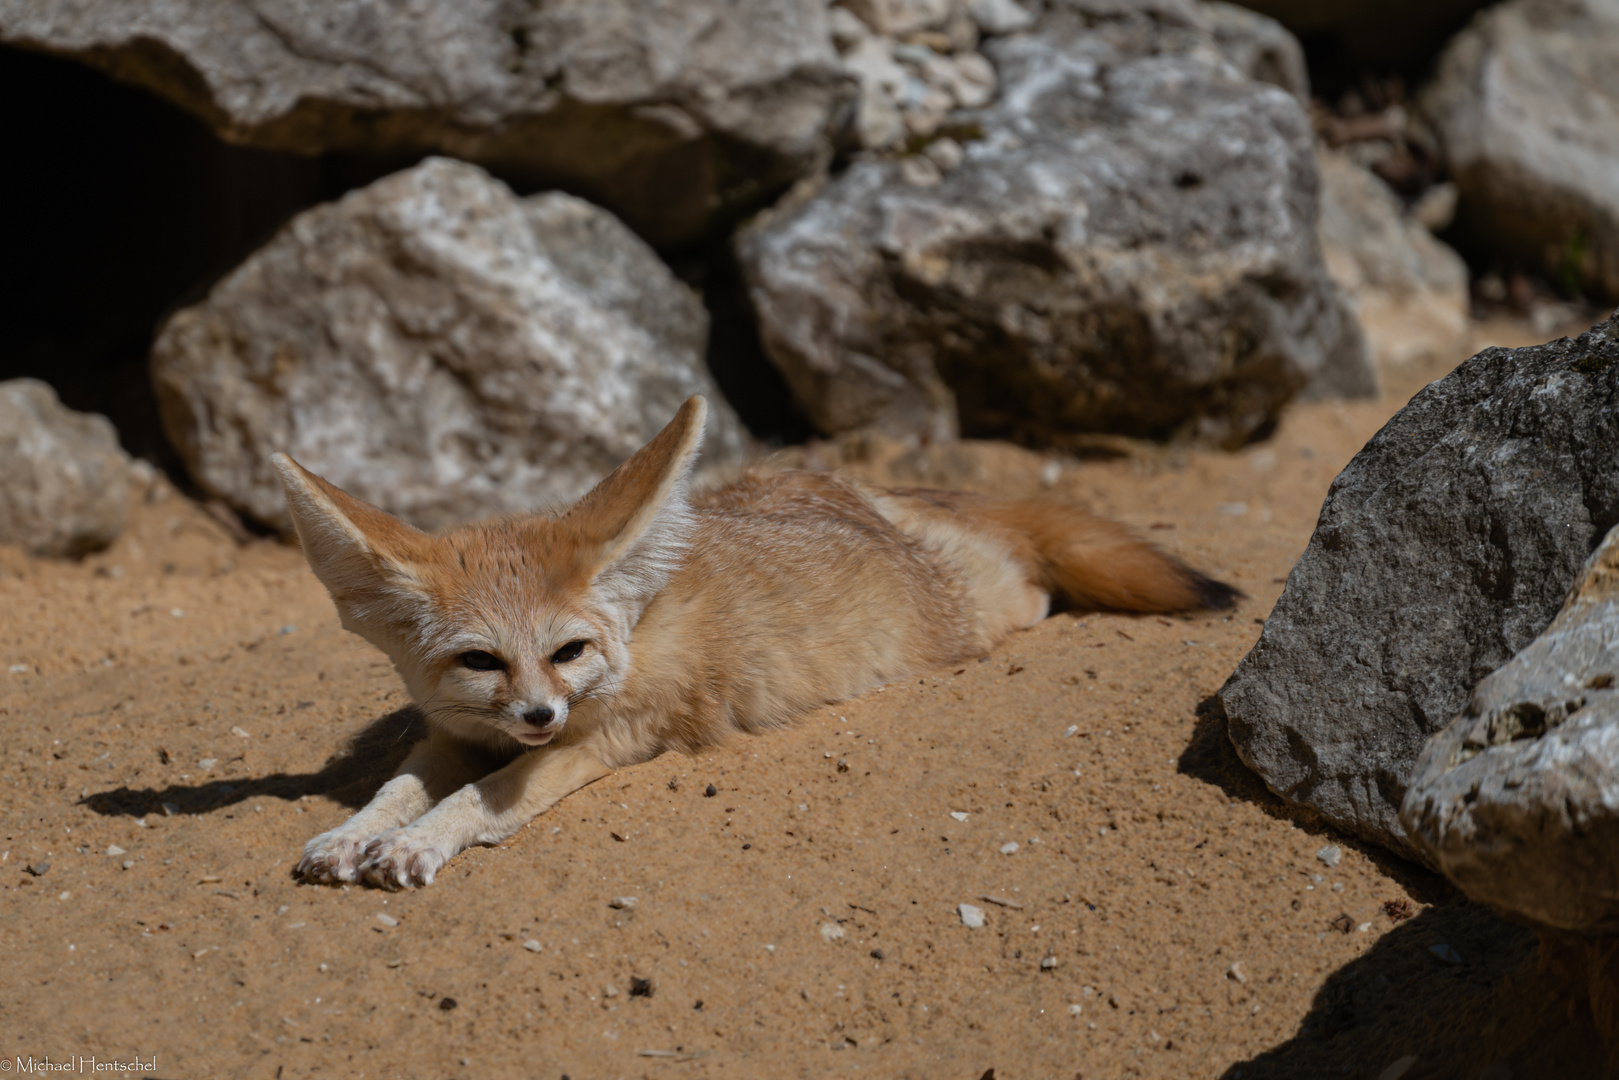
{"x": 634, "y": 524}
{"x": 366, "y": 557}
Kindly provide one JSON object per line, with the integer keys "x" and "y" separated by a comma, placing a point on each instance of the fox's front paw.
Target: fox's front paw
{"x": 404, "y": 858}
{"x": 334, "y": 856}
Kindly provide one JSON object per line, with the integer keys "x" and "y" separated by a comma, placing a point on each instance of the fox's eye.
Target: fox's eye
{"x": 479, "y": 660}
{"x": 570, "y": 651}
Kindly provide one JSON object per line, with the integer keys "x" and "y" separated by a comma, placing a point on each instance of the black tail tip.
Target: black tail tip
{"x": 1215, "y": 595}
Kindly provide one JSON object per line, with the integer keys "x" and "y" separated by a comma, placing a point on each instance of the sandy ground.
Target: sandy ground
{"x": 182, "y": 712}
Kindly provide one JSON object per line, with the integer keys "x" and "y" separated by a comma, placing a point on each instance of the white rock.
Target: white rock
{"x": 920, "y": 172}
{"x": 959, "y": 815}
{"x": 387, "y": 920}
{"x": 847, "y": 29}
{"x": 1332, "y": 855}
{"x": 64, "y": 479}
{"x": 831, "y": 931}
{"x": 114, "y": 849}
{"x": 207, "y": 763}
{"x": 999, "y": 16}
{"x": 623, "y": 903}
{"x": 532, "y": 945}
{"x": 947, "y": 154}
{"x": 971, "y": 917}
{"x": 1399, "y": 1068}
{"x": 897, "y": 18}
{"x": 1009, "y": 847}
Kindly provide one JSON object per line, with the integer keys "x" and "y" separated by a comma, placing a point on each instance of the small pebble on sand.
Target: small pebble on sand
{"x": 1332, "y": 855}
{"x": 971, "y": 917}
{"x": 114, "y": 849}
{"x": 1009, "y": 847}
{"x": 959, "y": 815}
{"x": 239, "y": 733}
{"x": 623, "y": 903}
{"x": 831, "y": 931}
{"x": 1073, "y": 729}
{"x": 532, "y": 945}
{"x": 387, "y": 920}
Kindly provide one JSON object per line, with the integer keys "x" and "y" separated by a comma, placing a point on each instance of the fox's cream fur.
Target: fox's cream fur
{"x": 547, "y": 651}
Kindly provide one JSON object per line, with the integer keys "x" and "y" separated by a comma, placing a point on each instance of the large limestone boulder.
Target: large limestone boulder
{"x": 438, "y": 347}
{"x": 1444, "y": 547}
{"x": 1124, "y": 241}
{"x": 1408, "y": 289}
{"x": 64, "y": 480}
{"x": 1526, "y": 105}
{"x": 1517, "y": 801}
{"x": 675, "y": 114}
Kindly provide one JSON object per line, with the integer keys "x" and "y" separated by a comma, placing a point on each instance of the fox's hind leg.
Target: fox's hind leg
{"x": 435, "y": 767}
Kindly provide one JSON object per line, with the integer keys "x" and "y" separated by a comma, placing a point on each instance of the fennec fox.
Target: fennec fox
{"x": 547, "y": 651}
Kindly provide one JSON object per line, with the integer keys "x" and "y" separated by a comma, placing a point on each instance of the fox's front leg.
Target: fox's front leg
{"x": 435, "y": 767}
{"x": 482, "y": 813}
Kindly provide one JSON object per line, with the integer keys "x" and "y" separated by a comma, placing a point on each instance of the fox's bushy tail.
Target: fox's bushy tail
{"x": 1085, "y": 561}
{"x": 1090, "y": 562}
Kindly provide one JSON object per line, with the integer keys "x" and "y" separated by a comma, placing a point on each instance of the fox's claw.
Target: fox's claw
{"x": 402, "y": 859}
{"x": 333, "y": 856}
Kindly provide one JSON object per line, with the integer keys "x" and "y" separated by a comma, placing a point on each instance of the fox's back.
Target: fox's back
{"x": 796, "y": 591}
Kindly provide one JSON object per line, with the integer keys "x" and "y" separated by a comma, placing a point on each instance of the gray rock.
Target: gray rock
{"x": 64, "y": 480}
{"x": 1408, "y": 289}
{"x": 1381, "y": 34}
{"x": 1444, "y": 547}
{"x": 1526, "y": 106}
{"x": 1260, "y": 47}
{"x": 1127, "y": 245}
{"x": 673, "y": 113}
{"x": 1517, "y": 801}
{"x": 438, "y": 347}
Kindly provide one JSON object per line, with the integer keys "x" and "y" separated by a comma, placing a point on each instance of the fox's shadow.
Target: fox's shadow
{"x": 351, "y": 776}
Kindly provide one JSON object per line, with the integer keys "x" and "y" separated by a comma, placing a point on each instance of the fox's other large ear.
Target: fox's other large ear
{"x": 364, "y": 556}
{"x": 634, "y": 524}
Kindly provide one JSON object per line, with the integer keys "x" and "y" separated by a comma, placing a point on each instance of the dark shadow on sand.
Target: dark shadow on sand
{"x": 351, "y": 776}
{"x": 1458, "y": 988}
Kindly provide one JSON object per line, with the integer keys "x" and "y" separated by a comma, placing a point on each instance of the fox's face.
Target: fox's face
{"x": 501, "y": 630}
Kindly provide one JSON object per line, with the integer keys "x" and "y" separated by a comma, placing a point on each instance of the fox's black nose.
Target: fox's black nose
{"x": 541, "y": 716}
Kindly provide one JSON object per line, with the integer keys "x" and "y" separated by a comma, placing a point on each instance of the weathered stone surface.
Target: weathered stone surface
{"x": 1444, "y": 547}
{"x": 438, "y": 347}
{"x": 1260, "y": 47}
{"x": 64, "y": 480}
{"x": 1517, "y": 801}
{"x": 1380, "y": 33}
{"x": 673, "y": 113}
{"x": 1408, "y": 289}
{"x": 1124, "y": 243}
{"x": 1526, "y": 105}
